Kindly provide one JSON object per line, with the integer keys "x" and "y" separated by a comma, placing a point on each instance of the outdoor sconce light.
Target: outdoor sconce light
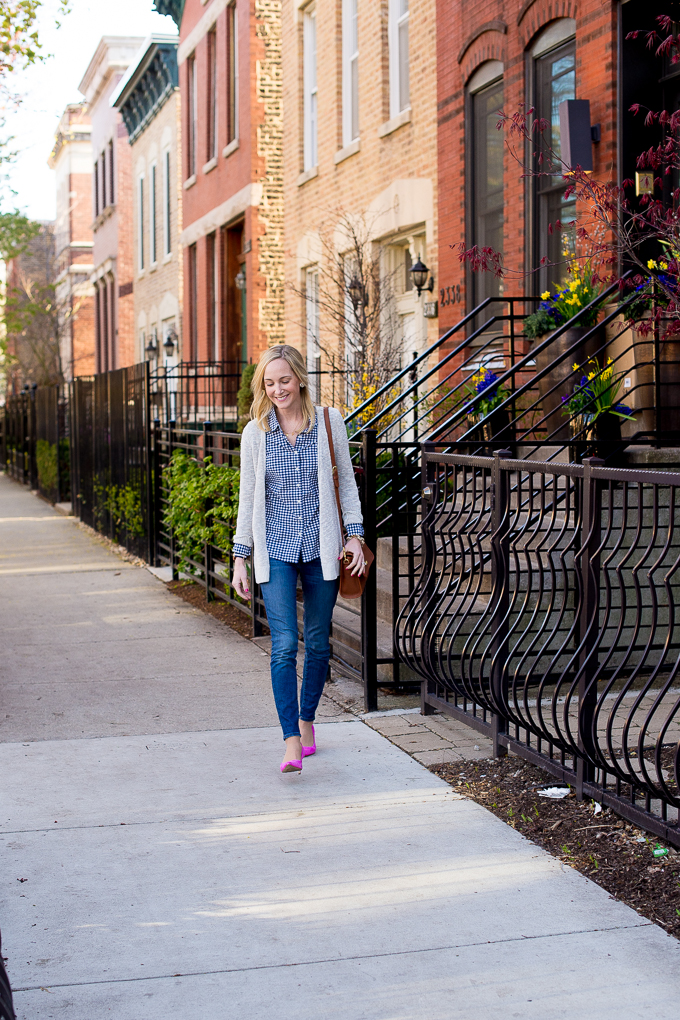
{"x": 419, "y": 274}
{"x": 169, "y": 342}
{"x": 576, "y": 134}
{"x": 152, "y": 346}
{"x": 240, "y": 280}
{"x": 357, "y": 293}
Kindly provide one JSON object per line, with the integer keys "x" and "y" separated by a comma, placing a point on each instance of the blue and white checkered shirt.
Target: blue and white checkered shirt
{"x": 292, "y": 496}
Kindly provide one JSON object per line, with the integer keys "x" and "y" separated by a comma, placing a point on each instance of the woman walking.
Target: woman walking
{"x": 288, "y": 518}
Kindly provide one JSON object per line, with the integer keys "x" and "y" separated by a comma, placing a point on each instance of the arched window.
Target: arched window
{"x": 485, "y": 172}
{"x": 554, "y": 80}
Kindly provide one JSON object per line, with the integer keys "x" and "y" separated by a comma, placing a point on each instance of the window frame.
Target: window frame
{"x": 140, "y": 223}
{"x": 192, "y": 114}
{"x": 312, "y": 329}
{"x": 310, "y": 111}
{"x": 395, "y": 22}
{"x": 192, "y": 256}
{"x": 167, "y": 225}
{"x": 473, "y": 281}
{"x": 540, "y": 240}
{"x": 232, "y": 73}
{"x": 350, "y": 71}
{"x": 153, "y": 219}
{"x": 112, "y": 194}
{"x": 212, "y": 105}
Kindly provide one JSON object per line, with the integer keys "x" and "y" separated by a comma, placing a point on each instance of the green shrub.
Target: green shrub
{"x": 124, "y": 505}
{"x": 244, "y": 398}
{"x": 47, "y": 462}
{"x": 202, "y": 506}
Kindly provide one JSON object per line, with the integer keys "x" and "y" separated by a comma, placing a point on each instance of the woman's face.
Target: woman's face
{"x": 282, "y": 385}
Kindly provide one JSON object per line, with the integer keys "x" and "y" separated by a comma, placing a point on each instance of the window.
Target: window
{"x": 211, "y": 134}
{"x": 167, "y": 239}
{"x": 153, "y": 254}
{"x": 102, "y": 164}
{"x": 397, "y": 33}
{"x": 555, "y": 81}
{"x": 312, "y": 321}
{"x": 111, "y": 192}
{"x": 193, "y": 304}
{"x": 232, "y": 75}
{"x": 140, "y": 222}
{"x": 485, "y": 173}
{"x": 309, "y": 90}
{"x": 350, "y": 71}
{"x": 95, "y": 189}
{"x": 213, "y": 298}
{"x": 192, "y": 115}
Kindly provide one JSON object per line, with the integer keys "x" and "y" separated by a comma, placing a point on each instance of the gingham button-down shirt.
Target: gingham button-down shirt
{"x": 292, "y": 496}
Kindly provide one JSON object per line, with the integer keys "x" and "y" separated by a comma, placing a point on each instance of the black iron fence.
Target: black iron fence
{"x": 110, "y": 439}
{"x": 545, "y": 615}
{"x": 35, "y": 447}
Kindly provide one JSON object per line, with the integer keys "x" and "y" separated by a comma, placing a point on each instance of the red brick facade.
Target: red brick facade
{"x": 232, "y": 192}
{"x": 471, "y": 33}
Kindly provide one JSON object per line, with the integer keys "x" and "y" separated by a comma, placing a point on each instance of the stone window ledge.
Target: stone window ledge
{"x": 347, "y": 151}
{"x": 228, "y": 149}
{"x": 189, "y": 183}
{"x": 308, "y": 175}
{"x": 395, "y": 123}
{"x": 210, "y": 165}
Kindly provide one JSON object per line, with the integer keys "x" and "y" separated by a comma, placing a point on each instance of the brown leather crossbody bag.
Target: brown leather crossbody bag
{"x": 351, "y": 585}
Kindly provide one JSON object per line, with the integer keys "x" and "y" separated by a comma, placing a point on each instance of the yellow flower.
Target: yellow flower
{"x": 652, "y": 264}
{"x": 545, "y": 295}
{"x": 663, "y": 265}
{"x": 575, "y": 367}
{"x": 573, "y": 286}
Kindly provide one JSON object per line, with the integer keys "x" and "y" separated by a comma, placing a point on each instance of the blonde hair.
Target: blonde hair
{"x": 262, "y": 405}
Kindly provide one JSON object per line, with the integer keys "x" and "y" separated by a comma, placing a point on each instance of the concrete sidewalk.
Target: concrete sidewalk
{"x": 171, "y": 871}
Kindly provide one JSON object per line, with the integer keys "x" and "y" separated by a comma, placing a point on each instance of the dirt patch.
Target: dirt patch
{"x": 194, "y": 594}
{"x": 613, "y": 853}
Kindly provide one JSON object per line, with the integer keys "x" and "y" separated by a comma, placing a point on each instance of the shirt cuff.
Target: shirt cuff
{"x": 354, "y": 529}
{"x": 241, "y": 550}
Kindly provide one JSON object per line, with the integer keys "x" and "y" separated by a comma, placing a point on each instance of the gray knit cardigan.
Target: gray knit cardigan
{"x": 251, "y": 525}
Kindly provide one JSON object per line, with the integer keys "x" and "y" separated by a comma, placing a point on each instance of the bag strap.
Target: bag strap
{"x": 336, "y": 480}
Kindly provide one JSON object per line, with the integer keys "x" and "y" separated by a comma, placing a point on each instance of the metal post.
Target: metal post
{"x": 150, "y": 471}
{"x": 589, "y": 614}
{"x": 427, "y": 487}
{"x": 171, "y": 443}
{"x": 155, "y": 496}
{"x": 208, "y": 551}
{"x": 500, "y": 594}
{"x": 659, "y": 417}
{"x": 369, "y": 599}
{"x": 395, "y": 493}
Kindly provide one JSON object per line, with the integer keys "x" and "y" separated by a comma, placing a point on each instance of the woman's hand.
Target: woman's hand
{"x": 356, "y": 550}
{"x": 239, "y": 580}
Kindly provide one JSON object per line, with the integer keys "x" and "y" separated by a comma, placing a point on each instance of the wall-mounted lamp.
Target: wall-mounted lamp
{"x": 170, "y": 342}
{"x": 240, "y": 280}
{"x": 357, "y": 292}
{"x": 152, "y": 346}
{"x": 419, "y": 274}
{"x": 576, "y": 134}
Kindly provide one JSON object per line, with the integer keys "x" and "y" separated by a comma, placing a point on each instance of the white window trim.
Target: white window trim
{"x": 140, "y": 223}
{"x": 349, "y": 56}
{"x": 312, "y": 323}
{"x": 234, "y": 142}
{"x": 153, "y": 214}
{"x": 309, "y": 85}
{"x": 393, "y": 43}
{"x": 167, "y": 161}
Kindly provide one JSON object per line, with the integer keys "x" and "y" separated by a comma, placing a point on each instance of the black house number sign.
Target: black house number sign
{"x": 449, "y": 295}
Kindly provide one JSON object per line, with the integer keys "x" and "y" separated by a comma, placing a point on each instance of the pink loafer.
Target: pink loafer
{"x": 306, "y": 751}
{"x": 294, "y": 765}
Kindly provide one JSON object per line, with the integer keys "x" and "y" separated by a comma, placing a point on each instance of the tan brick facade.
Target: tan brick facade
{"x": 385, "y": 178}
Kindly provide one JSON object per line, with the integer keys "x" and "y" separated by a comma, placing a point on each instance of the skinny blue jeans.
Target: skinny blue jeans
{"x": 280, "y": 602}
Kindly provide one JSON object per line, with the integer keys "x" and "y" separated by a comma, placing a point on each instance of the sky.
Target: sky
{"x": 47, "y": 88}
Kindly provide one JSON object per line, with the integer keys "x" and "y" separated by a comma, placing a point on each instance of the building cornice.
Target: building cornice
{"x": 148, "y": 84}
{"x": 172, "y": 8}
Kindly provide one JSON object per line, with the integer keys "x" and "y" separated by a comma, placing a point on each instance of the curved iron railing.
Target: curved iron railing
{"x": 547, "y": 598}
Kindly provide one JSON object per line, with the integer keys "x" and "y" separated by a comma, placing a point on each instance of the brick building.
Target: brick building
{"x": 360, "y": 147}
{"x": 497, "y": 54}
{"x": 229, "y": 72}
{"x": 148, "y": 99}
{"x": 71, "y": 160}
{"x": 29, "y": 319}
{"x": 113, "y": 272}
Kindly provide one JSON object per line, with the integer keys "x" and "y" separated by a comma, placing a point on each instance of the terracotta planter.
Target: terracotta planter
{"x": 561, "y": 379}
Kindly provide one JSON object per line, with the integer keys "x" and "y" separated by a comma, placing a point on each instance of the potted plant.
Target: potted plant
{"x": 555, "y": 309}
{"x": 483, "y": 413}
{"x": 594, "y": 410}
